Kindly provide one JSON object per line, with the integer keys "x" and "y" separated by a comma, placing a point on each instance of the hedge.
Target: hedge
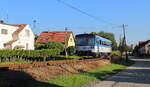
{"x": 10, "y": 55}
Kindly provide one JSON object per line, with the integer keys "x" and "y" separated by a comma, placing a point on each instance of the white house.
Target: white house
{"x": 16, "y": 36}
{"x": 144, "y": 48}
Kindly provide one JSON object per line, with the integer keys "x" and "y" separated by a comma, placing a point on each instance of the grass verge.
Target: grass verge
{"x": 78, "y": 80}
{"x": 15, "y": 62}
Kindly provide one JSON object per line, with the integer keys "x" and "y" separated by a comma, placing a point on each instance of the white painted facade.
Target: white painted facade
{"x": 145, "y": 49}
{"x": 20, "y": 40}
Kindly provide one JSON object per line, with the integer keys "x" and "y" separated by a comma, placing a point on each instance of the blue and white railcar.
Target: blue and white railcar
{"x": 90, "y": 44}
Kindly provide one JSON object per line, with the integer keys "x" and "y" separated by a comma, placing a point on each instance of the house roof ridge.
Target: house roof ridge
{"x": 15, "y": 25}
{"x": 21, "y": 27}
{"x": 53, "y": 36}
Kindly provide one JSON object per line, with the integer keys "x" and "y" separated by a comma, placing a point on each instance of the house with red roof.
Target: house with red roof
{"x": 58, "y": 36}
{"x": 144, "y": 47}
{"x": 16, "y": 36}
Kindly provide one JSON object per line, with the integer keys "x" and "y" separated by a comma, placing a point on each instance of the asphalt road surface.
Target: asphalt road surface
{"x": 137, "y": 75}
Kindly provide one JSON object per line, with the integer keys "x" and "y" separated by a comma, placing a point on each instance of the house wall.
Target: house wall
{"x": 147, "y": 48}
{"x": 71, "y": 41}
{"x": 142, "y": 50}
{"x": 26, "y": 41}
{"x": 6, "y": 37}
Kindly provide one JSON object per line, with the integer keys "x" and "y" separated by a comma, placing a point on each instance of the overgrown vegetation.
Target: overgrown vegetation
{"x": 116, "y": 53}
{"x": 84, "y": 77}
{"x": 71, "y": 50}
{"x": 15, "y": 62}
{"x": 55, "y": 45}
{"x": 35, "y": 55}
{"x": 50, "y": 45}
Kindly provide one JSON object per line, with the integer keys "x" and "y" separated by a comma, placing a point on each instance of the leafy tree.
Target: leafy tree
{"x": 109, "y": 36}
{"x": 39, "y": 46}
{"x": 71, "y": 50}
{"x": 54, "y": 45}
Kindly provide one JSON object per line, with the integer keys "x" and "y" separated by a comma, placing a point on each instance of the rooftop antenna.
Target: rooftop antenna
{"x": 34, "y": 24}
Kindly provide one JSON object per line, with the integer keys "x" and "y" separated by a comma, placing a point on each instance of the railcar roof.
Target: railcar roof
{"x": 85, "y": 35}
{"x": 104, "y": 39}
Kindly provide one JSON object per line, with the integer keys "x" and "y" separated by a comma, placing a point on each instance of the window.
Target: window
{"x": 4, "y": 31}
{"x": 97, "y": 41}
{"x": 100, "y": 42}
{"x": 27, "y": 32}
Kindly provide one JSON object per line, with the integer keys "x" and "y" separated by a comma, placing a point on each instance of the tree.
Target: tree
{"x": 50, "y": 45}
{"x": 71, "y": 50}
{"x": 109, "y": 36}
{"x": 39, "y": 46}
{"x": 54, "y": 45}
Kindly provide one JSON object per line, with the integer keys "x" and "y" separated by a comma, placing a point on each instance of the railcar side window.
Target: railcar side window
{"x": 100, "y": 42}
{"x": 106, "y": 43}
{"x": 97, "y": 42}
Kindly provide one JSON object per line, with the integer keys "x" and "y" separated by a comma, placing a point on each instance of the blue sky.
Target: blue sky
{"x": 54, "y": 16}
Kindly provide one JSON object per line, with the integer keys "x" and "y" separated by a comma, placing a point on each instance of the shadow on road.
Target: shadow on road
{"x": 137, "y": 73}
{"x": 132, "y": 75}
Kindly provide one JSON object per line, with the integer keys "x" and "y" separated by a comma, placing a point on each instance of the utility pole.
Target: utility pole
{"x": 121, "y": 46}
{"x": 66, "y": 42}
{"x": 125, "y": 43}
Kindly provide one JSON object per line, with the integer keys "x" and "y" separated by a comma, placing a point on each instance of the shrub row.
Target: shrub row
{"x": 27, "y": 54}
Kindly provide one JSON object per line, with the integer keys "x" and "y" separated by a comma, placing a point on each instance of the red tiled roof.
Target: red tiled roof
{"x": 52, "y": 36}
{"x": 21, "y": 27}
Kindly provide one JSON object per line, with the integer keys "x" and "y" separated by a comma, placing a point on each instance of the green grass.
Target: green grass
{"x": 69, "y": 57}
{"x": 78, "y": 80}
{"x": 15, "y": 62}
{"x": 116, "y": 52}
{"x": 146, "y": 57}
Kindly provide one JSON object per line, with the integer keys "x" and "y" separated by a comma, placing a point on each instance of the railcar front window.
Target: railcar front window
{"x": 84, "y": 41}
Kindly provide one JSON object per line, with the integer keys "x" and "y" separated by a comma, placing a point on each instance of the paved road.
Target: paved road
{"x": 137, "y": 75}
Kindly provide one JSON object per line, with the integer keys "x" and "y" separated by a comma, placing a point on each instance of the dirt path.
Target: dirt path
{"x": 137, "y": 75}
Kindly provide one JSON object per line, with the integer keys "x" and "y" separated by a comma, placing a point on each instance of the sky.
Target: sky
{"x": 51, "y": 15}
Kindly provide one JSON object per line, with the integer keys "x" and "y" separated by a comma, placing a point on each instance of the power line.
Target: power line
{"x": 85, "y": 13}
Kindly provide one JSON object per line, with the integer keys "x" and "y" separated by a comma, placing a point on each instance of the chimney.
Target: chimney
{"x": 1, "y": 22}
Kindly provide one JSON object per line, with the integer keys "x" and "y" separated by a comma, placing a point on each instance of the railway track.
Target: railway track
{"x": 46, "y": 63}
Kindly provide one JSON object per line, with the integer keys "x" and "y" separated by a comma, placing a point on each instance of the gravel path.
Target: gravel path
{"x": 137, "y": 75}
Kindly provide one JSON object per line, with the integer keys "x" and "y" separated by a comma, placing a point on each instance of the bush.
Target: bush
{"x": 50, "y": 45}
{"x": 54, "y": 45}
{"x": 71, "y": 50}
{"x": 116, "y": 53}
{"x": 27, "y": 54}
{"x": 39, "y": 46}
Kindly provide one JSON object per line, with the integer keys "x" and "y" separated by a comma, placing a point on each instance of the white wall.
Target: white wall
{"x": 6, "y": 37}
{"x": 24, "y": 39}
